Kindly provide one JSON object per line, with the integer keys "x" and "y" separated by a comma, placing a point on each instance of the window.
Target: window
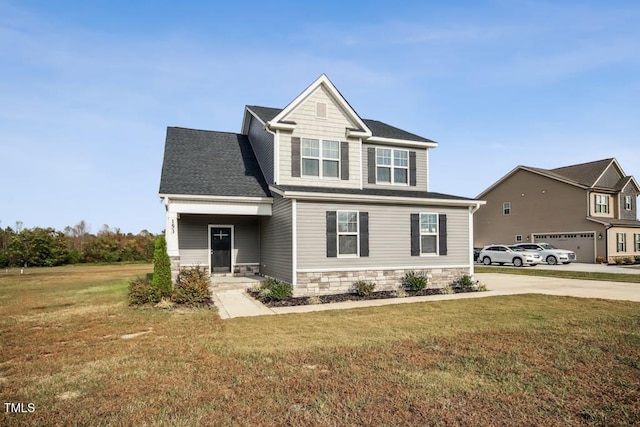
{"x": 392, "y": 166}
{"x": 320, "y": 158}
{"x": 506, "y": 208}
{"x": 636, "y": 242}
{"x": 627, "y": 203}
{"x": 321, "y": 110}
{"x": 602, "y": 204}
{"x": 518, "y": 237}
{"x": 347, "y": 233}
{"x": 428, "y": 233}
{"x": 621, "y": 238}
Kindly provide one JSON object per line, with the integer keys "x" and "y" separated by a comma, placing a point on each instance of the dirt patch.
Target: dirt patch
{"x": 68, "y": 395}
{"x": 136, "y": 334}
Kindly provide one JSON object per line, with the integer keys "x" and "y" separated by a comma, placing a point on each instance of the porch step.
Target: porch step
{"x": 228, "y": 283}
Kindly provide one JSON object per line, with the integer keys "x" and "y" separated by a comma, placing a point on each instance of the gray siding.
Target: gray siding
{"x": 276, "y": 235}
{"x": 421, "y": 169}
{"x": 193, "y": 238}
{"x": 262, "y": 144}
{"x": 625, "y": 214}
{"x": 389, "y": 236}
{"x": 609, "y": 178}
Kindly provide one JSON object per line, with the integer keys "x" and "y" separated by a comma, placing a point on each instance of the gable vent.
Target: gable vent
{"x": 321, "y": 110}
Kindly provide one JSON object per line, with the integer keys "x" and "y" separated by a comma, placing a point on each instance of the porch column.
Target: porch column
{"x": 171, "y": 236}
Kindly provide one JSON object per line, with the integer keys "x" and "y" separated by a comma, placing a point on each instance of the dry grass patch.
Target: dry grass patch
{"x": 518, "y": 360}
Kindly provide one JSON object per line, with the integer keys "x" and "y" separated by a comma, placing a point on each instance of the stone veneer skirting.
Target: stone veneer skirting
{"x": 322, "y": 283}
{"x": 238, "y": 270}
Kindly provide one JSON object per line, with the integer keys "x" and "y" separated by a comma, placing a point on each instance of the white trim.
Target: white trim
{"x": 321, "y": 159}
{"x": 170, "y": 198}
{"x": 427, "y": 164}
{"x": 294, "y": 242}
{"x": 471, "y": 261}
{"x": 505, "y": 208}
{"x": 171, "y": 234}
{"x": 220, "y": 208}
{"x": 436, "y": 234}
{"x": 360, "y": 162}
{"x": 392, "y": 167}
{"x": 627, "y": 197}
{"x": 276, "y": 157}
{"x": 245, "y": 123}
{"x": 403, "y": 142}
{"x": 247, "y": 263}
{"x": 357, "y": 198}
{"x": 605, "y": 170}
{"x": 347, "y": 233}
{"x": 233, "y": 256}
{"x": 405, "y": 267}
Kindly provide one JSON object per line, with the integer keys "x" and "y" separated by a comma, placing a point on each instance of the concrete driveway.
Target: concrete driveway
{"x": 590, "y": 268}
{"x": 512, "y": 284}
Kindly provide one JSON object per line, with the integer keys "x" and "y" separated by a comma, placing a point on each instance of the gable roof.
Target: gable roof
{"x": 585, "y": 173}
{"x": 209, "y": 163}
{"x": 378, "y": 129}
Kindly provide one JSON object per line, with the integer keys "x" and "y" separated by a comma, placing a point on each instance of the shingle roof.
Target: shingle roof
{"x": 372, "y": 192}
{"x": 584, "y": 173}
{"x": 378, "y": 128}
{"x": 200, "y": 162}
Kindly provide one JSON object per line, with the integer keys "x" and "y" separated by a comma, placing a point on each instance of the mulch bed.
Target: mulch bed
{"x": 326, "y": 299}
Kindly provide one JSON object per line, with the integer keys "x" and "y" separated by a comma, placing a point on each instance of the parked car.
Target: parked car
{"x": 476, "y": 253}
{"x": 502, "y": 254}
{"x": 549, "y": 253}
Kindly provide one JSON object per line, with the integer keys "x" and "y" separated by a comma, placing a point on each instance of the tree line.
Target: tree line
{"x": 49, "y": 247}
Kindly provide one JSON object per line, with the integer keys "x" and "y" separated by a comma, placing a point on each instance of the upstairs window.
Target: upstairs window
{"x": 602, "y": 204}
{"x": 627, "y": 203}
{"x": 506, "y": 208}
{"x": 621, "y": 239}
{"x": 392, "y": 166}
{"x": 320, "y": 158}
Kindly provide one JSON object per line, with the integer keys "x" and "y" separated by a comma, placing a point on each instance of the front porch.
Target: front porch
{"x": 233, "y": 283}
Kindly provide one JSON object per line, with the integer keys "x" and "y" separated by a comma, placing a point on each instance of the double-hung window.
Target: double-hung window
{"x": 621, "y": 239}
{"x": 636, "y": 242}
{"x": 627, "y": 203}
{"x": 506, "y": 208}
{"x": 348, "y": 232}
{"x": 392, "y": 166}
{"x": 429, "y": 233}
{"x": 602, "y": 204}
{"x": 320, "y": 158}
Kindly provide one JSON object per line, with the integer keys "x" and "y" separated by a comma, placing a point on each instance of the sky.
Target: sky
{"x": 88, "y": 88}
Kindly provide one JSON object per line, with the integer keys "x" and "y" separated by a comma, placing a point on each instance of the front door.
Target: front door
{"x": 220, "y": 250}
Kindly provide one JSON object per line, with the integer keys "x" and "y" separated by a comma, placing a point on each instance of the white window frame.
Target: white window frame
{"x": 430, "y": 233}
{"x": 627, "y": 203}
{"x": 602, "y": 204}
{"x": 636, "y": 238}
{"x": 348, "y": 233}
{"x": 320, "y": 158}
{"x": 506, "y": 208}
{"x": 621, "y": 242}
{"x": 392, "y": 167}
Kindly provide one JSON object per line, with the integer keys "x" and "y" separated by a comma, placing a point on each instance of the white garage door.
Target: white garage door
{"x": 581, "y": 243}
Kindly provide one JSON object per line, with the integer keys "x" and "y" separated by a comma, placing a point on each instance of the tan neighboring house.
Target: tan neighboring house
{"x": 314, "y": 195}
{"x": 589, "y": 208}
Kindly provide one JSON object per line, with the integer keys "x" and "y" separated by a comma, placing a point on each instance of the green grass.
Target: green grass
{"x": 516, "y": 360}
{"x": 609, "y": 277}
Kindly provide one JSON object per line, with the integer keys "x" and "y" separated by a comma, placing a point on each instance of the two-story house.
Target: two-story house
{"x": 590, "y": 208}
{"x": 313, "y": 195}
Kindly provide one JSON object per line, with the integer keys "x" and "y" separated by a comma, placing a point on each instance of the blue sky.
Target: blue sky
{"x": 87, "y": 88}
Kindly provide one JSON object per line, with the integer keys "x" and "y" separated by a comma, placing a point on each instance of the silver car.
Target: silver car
{"x": 502, "y": 254}
{"x": 549, "y": 253}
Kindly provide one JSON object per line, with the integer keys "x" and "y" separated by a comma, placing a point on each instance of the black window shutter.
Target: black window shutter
{"x": 415, "y": 234}
{"x": 332, "y": 246}
{"x": 412, "y": 168}
{"x": 344, "y": 160}
{"x": 371, "y": 162}
{"x": 295, "y": 156}
{"x": 364, "y": 233}
{"x": 442, "y": 234}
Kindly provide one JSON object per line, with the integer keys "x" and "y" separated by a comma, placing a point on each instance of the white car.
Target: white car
{"x": 503, "y": 254}
{"x": 549, "y": 253}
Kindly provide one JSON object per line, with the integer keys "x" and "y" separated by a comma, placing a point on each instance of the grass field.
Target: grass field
{"x": 609, "y": 277}
{"x": 71, "y": 346}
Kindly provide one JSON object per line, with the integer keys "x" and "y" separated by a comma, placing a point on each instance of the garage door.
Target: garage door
{"x": 581, "y": 243}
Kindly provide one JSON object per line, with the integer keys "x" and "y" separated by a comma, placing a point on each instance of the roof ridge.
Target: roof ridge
{"x": 585, "y": 163}
{"x": 206, "y": 130}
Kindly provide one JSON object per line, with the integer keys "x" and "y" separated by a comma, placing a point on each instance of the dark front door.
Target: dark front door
{"x": 220, "y": 250}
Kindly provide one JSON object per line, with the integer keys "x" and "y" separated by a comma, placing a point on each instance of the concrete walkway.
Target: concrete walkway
{"x": 238, "y": 304}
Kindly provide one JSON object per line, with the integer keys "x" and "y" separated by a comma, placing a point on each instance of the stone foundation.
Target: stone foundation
{"x": 246, "y": 270}
{"x": 175, "y": 267}
{"x": 386, "y": 280}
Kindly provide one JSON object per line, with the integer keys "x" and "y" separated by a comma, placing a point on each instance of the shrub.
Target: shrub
{"x": 275, "y": 290}
{"x": 192, "y": 287}
{"x": 363, "y": 288}
{"x": 161, "y": 267}
{"x": 141, "y": 292}
{"x": 313, "y": 299}
{"x": 601, "y": 260}
{"x": 637, "y": 259}
{"x": 466, "y": 283}
{"x": 415, "y": 281}
{"x": 628, "y": 260}
{"x": 619, "y": 260}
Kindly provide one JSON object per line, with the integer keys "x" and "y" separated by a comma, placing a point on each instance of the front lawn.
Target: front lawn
{"x": 71, "y": 346}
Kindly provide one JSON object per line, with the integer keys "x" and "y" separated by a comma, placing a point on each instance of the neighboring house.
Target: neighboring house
{"x": 589, "y": 208}
{"x": 312, "y": 195}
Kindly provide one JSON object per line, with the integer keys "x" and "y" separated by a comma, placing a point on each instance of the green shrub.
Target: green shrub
{"x": 161, "y": 267}
{"x": 192, "y": 287}
{"x": 628, "y": 260}
{"x": 415, "y": 281}
{"x": 619, "y": 260}
{"x": 466, "y": 283}
{"x": 637, "y": 259}
{"x": 275, "y": 290}
{"x": 363, "y": 288}
{"x": 141, "y": 292}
